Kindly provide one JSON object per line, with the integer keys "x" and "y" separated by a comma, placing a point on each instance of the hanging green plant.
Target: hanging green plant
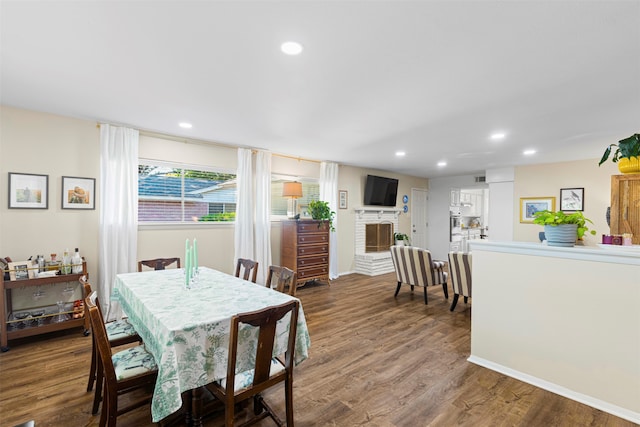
{"x": 320, "y": 210}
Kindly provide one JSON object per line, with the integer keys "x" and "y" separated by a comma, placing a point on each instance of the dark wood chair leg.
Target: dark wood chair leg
{"x": 455, "y": 301}
{"x": 92, "y": 372}
{"x": 412, "y": 288}
{"x": 425, "y": 295}
{"x": 397, "y": 289}
{"x": 100, "y": 383}
{"x": 466, "y": 299}
{"x": 446, "y": 291}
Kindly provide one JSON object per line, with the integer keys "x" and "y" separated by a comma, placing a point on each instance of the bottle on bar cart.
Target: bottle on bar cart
{"x": 76, "y": 263}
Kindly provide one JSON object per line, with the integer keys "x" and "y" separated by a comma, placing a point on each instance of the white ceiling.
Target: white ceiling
{"x": 432, "y": 78}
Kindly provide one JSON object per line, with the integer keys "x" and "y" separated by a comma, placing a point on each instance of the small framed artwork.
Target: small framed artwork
{"x": 303, "y": 211}
{"x": 530, "y": 205}
{"x": 78, "y": 193}
{"x": 343, "y": 199}
{"x": 572, "y": 199}
{"x": 28, "y": 191}
{"x": 21, "y": 270}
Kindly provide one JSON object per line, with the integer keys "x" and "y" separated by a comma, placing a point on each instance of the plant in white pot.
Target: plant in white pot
{"x": 561, "y": 229}
{"x": 401, "y": 239}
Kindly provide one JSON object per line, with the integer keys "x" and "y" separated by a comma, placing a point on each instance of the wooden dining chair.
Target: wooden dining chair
{"x": 268, "y": 370}
{"x": 279, "y": 278}
{"x": 248, "y": 267}
{"x": 119, "y": 332}
{"x": 158, "y": 263}
{"x": 131, "y": 369}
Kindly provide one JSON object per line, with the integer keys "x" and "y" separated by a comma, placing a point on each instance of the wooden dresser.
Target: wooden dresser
{"x": 305, "y": 249}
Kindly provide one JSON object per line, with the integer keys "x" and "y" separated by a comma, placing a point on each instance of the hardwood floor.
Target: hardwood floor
{"x": 375, "y": 360}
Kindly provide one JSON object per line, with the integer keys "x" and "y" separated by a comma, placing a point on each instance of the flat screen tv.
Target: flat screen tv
{"x": 380, "y": 191}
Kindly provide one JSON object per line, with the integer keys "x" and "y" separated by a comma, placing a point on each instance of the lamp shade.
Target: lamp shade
{"x": 292, "y": 189}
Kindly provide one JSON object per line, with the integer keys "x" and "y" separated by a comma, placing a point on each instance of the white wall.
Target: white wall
{"x": 56, "y": 146}
{"x": 500, "y": 204}
{"x": 547, "y": 180}
{"x": 33, "y": 142}
{"x": 438, "y": 210}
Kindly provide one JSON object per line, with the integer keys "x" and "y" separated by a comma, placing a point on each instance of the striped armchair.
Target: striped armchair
{"x": 415, "y": 267}
{"x": 460, "y": 269}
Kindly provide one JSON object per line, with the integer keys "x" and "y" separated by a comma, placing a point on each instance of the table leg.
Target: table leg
{"x": 186, "y": 404}
{"x": 196, "y": 406}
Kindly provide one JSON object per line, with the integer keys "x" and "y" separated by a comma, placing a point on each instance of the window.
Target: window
{"x": 280, "y": 206}
{"x": 177, "y": 194}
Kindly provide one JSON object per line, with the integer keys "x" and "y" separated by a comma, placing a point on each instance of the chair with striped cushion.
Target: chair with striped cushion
{"x": 415, "y": 267}
{"x": 460, "y": 270}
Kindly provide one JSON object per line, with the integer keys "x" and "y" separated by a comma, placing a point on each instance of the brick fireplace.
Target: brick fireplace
{"x": 374, "y": 234}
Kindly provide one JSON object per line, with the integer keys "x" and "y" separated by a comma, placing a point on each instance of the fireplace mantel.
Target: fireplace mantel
{"x": 381, "y": 210}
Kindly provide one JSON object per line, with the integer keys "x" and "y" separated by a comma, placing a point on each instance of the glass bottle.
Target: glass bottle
{"x": 76, "y": 263}
{"x": 66, "y": 262}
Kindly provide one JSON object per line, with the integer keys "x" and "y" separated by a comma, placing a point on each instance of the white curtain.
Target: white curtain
{"x": 263, "y": 214}
{"x": 118, "y": 211}
{"x": 244, "y": 207}
{"x": 329, "y": 193}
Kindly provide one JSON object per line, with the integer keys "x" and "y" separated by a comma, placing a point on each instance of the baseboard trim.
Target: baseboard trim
{"x": 612, "y": 409}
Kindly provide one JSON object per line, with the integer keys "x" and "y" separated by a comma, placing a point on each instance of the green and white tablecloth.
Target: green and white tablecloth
{"x": 187, "y": 330}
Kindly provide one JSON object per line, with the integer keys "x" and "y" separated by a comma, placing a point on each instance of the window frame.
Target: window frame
{"x": 158, "y": 225}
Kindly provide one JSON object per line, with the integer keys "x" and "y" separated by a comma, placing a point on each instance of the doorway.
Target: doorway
{"x": 419, "y": 198}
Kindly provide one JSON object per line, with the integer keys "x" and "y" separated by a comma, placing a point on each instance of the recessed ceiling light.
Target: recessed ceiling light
{"x": 529, "y": 152}
{"x": 185, "y": 125}
{"x": 400, "y": 153}
{"x": 291, "y": 48}
{"x": 442, "y": 164}
{"x": 497, "y": 136}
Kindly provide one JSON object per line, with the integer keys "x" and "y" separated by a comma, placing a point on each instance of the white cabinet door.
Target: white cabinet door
{"x": 455, "y": 197}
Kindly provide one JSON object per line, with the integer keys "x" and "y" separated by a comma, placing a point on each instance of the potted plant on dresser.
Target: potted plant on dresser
{"x": 627, "y": 154}
{"x": 562, "y": 229}
{"x": 321, "y": 211}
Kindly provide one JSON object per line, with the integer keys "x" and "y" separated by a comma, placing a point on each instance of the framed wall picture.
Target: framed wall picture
{"x": 28, "y": 191}
{"x": 343, "y": 199}
{"x": 530, "y": 205}
{"x": 78, "y": 193}
{"x": 21, "y": 270}
{"x": 303, "y": 211}
{"x": 572, "y": 199}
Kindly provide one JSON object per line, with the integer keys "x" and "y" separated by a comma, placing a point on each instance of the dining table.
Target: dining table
{"x": 185, "y": 326}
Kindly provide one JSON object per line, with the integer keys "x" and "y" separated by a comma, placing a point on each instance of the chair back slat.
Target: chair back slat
{"x": 266, "y": 320}
{"x": 158, "y": 263}
{"x": 249, "y": 267}
{"x": 99, "y": 331}
{"x": 283, "y": 277}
